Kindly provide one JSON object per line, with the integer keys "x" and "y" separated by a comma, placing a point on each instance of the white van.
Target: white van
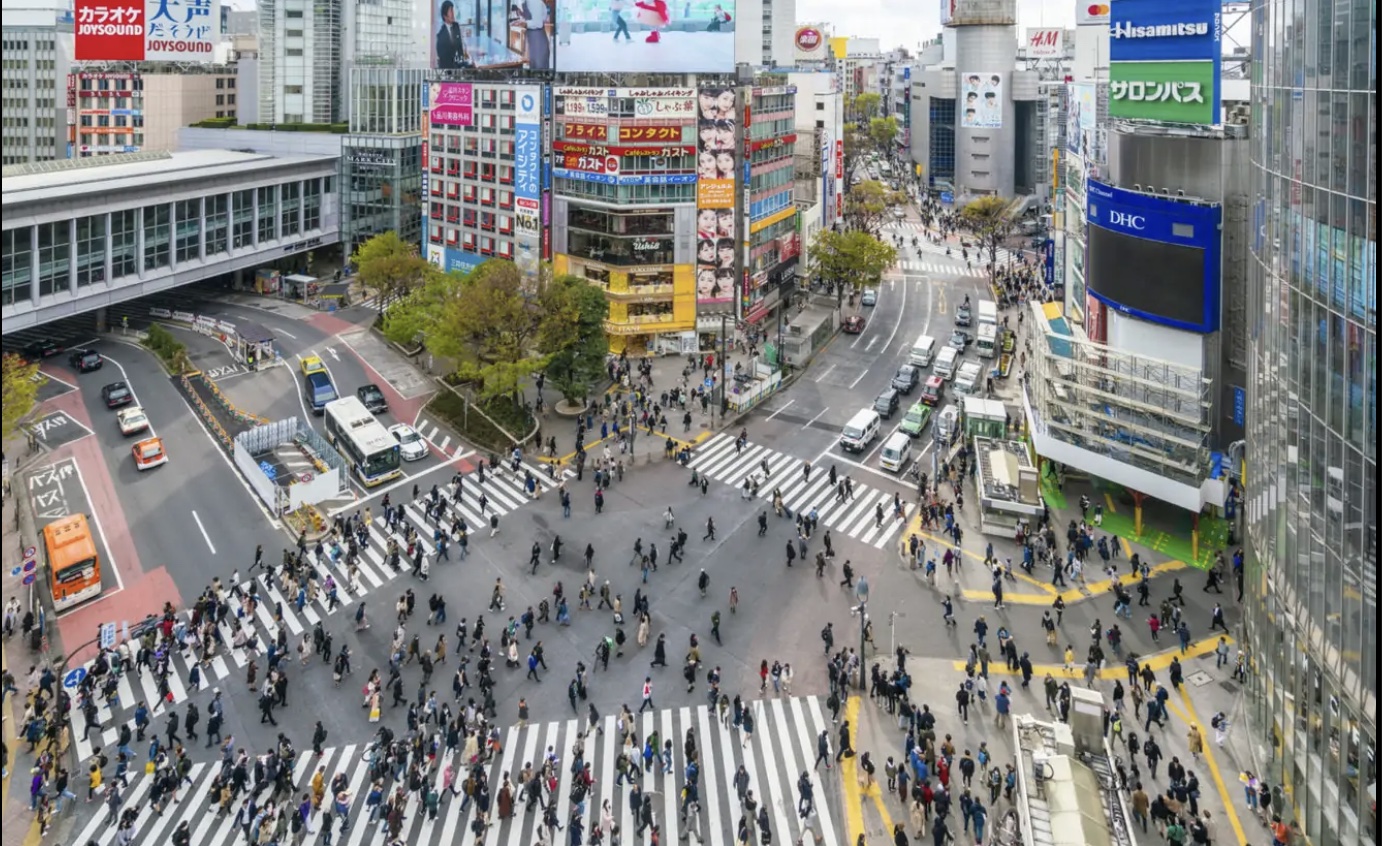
{"x": 946, "y": 362}
{"x": 896, "y": 453}
{"x": 988, "y": 313}
{"x": 968, "y": 380}
{"x": 860, "y": 431}
{"x": 923, "y": 350}
{"x": 946, "y": 426}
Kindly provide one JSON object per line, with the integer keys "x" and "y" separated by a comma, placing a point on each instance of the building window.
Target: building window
{"x": 124, "y": 243}
{"x": 17, "y": 284}
{"x": 217, "y": 223}
{"x": 91, "y": 250}
{"x": 54, "y": 257}
{"x": 292, "y": 207}
{"x": 312, "y": 205}
{"x": 189, "y": 230}
{"x": 157, "y": 236}
{"x": 242, "y": 219}
{"x": 268, "y": 214}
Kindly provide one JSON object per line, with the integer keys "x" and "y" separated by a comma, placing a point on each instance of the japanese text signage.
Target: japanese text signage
{"x": 452, "y": 103}
{"x": 1181, "y": 35}
{"x": 590, "y": 164}
{"x": 1168, "y": 92}
{"x": 655, "y": 107}
{"x": 527, "y": 184}
{"x": 146, "y": 30}
{"x": 607, "y": 150}
{"x": 649, "y": 134}
{"x": 585, "y": 131}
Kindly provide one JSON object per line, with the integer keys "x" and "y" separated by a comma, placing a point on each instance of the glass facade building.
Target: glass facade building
{"x": 1311, "y": 447}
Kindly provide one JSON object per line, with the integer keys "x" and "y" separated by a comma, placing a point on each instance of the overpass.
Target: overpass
{"x": 84, "y": 234}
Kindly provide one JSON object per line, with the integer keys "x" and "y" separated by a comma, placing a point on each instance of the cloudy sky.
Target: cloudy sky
{"x": 906, "y": 24}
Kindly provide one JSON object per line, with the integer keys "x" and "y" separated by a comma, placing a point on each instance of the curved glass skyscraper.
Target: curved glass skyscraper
{"x": 1311, "y": 452}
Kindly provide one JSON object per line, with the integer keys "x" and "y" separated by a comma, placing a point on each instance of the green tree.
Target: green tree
{"x": 389, "y": 267}
{"x": 866, "y": 106}
{"x": 856, "y": 259}
{"x": 988, "y": 221}
{"x": 572, "y": 335}
{"x": 868, "y": 204}
{"x": 21, "y": 383}
{"x": 883, "y": 131}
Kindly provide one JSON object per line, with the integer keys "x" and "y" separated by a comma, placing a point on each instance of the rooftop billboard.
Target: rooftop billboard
{"x": 649, "y": 36}
{"x": 153, "y": 31}
{"x": 517, "y": 34}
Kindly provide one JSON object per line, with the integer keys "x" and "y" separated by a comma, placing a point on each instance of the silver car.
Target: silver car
{"x": 410, "y": 444}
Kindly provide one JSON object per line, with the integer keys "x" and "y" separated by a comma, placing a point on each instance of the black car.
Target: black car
{"x": 907, "y": 378}
{"x": 117, "y": 394}
{"x": 85, "y": 361}
{"x": 373, "y": 398}
{"x": 887, "y": 403}
{"x": 36, "y": 350}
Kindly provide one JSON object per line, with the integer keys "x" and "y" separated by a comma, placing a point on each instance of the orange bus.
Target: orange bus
{"x": 74, "y": 567}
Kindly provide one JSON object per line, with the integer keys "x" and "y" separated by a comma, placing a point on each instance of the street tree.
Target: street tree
{"x": 866, "y": 106}
{"x": 987, "y": 220}
{"x": 389, "y": 267}
{"x": 868, "y": 204}
{"x": 854, "y": 259}
{"x": 21, "y": 383}
{"x": 883, "y": 131}
{"x": 572, "y": 335}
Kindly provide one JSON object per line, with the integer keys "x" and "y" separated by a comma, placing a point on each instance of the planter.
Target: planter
{"x": 564, "y": 408}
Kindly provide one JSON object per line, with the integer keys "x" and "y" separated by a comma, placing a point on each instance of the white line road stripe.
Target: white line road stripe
{"x": 826, "y": 828}
{"x": 712, "y": 792}
{"x": 782, "y": 409}
{"x": 771, "y": 761}
{"x": 817, "y": 417}
{"x": 670, "y": 790}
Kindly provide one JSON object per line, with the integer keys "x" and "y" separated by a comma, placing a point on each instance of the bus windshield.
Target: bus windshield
{"x": 73, "y": 564}
{"x": 362, "y": 440}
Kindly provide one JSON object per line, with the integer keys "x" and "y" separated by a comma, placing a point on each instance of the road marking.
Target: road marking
{"x": 826, "y": 371}
{"x": 900, "y": 312}
{"x": 205, "y": 536}
{"x": 285, "y": 334}
{"x": 817, "y": 417}
{"x": 872, "y": 341}
{"x": 782, "y": 409}
{"x": 859, "y": 379}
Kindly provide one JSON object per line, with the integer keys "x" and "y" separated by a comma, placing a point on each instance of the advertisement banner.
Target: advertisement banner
{"x": 810, "y": 43}
{"x": 716, "y": 164}
{"x": 612, "y": 150}
{"x": 452, "y": 103}
{"x": 981, "y": 101}
{"x": 1048, "y": 258}
{"x": 624, "y": 179}
{"x": 588, "y": 163}
{"x": 661, "y": 134}
{"x": 585, "y": 131}
{"x": 152, "y": 31}
{"x": 1164, "y": 30}
{"x": 662, "y": 36}
{"x": 492, "y": 35}
{"x": 1045, "y": 43}
{"x": 527, "y": 178}
{"x": 584, "y": 106}
{"x": 663, "y": 107}
{"x": 1169, "y": 92}
{"x": 1082, "y": 114}
{"x": 1089, "y": 13}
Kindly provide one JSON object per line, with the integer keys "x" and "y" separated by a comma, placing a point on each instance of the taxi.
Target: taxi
{"x": 312, "y": 364}
{"x": 149, "y": 453}
{"x": 132, "y": 420}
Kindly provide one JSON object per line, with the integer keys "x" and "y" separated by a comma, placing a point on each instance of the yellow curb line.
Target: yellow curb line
{"x": 1229, "y": 809}
{"x": 1156, "y": 661}
{"x": 849, "y": 774}
{"x": 1093, "y": 589}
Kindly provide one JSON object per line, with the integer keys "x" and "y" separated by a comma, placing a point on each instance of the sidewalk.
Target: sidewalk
{"x": 875, "y": 811}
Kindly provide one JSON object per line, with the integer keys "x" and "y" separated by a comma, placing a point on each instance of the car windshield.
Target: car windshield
{"x": 408, "y": 437}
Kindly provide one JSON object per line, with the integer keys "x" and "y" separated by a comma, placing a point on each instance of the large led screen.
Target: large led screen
{"x": 645, "y": 36}
{"x": 485, "y": 34}
{"x": 1162, "y": 282}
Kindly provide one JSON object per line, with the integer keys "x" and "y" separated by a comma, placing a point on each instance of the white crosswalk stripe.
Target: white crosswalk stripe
{"x": 855, "y": 518}
{"x": 297, "y": 614}
{"x": 936, "y": 267}
{"x": 781, "y": 748}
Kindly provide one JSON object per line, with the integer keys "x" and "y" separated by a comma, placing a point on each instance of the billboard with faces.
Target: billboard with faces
{"x": 981, "y": 101}
{"x": 517, "y": 34}
{"x": 717, "y": 162}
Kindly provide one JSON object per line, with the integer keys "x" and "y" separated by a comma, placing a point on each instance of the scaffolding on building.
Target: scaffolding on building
{"x": 1148, "y": 413}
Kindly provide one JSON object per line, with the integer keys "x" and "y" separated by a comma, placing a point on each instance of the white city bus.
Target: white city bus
{"x": 362, "y": 440}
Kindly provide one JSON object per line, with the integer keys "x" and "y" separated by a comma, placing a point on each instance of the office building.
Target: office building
{"x": 854, "y": 60}
{"x": 144, "y": 106}
{"x": 764, "y": 33}
{"x": 771, "y": 217}
{"x": 37, "y": 40}
{"x": 819, "y": 157}
{"x": 1311, "y": 441}
{"x": 381, "y": 158}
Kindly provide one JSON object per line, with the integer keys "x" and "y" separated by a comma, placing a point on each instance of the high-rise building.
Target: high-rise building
{"x": 764, "y": 33}
{"x": 1311, "y": 439}
{"x": 771, "y": 217}
{"x": 37, "y": 37}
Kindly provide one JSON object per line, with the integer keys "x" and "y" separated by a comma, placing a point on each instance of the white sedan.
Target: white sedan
{"x": 411, "y": 445}
{"x": 132, "y": 420}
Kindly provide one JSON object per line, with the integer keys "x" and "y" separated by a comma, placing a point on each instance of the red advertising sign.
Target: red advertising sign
{"x": 106, "y": 32}
{"x": 1044, "y": 43}
{"x": 650, "y": 134}
{"x": 808, "y": 39}
{"x": 587, "y": 131}
{"x": 766, "y": 143}
{"x": 591, "y": 164}
{"x": 607, "y": 150}
{"x": 840, "y": 159}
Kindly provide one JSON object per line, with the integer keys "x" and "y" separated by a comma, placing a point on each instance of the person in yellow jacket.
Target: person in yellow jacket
{"x": 318, "y": 787}
{"x": 94, "y": 786}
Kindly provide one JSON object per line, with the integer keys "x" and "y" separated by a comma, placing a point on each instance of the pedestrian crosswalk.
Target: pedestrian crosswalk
{"x": 499, "y": 495}
{"x": 781, "y": 747}
{"x": 937, "y": 268}
{"x": 855, "y": 517}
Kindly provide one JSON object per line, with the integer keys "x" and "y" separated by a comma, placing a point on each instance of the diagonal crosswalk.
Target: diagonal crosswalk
{"x": 501, "y": 495}
{"x": 781, "y": 748}
{"x": 855, "y": 517}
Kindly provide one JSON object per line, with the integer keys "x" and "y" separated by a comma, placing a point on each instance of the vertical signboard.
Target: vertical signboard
{"x": 527, "y": 179}
{"x": 839, "y": 180}
{"x": 716, "y": 164}
{"x": 426, "y": 165}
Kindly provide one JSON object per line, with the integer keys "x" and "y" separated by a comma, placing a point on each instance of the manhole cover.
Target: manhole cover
{"x": 1200, "y": 679}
